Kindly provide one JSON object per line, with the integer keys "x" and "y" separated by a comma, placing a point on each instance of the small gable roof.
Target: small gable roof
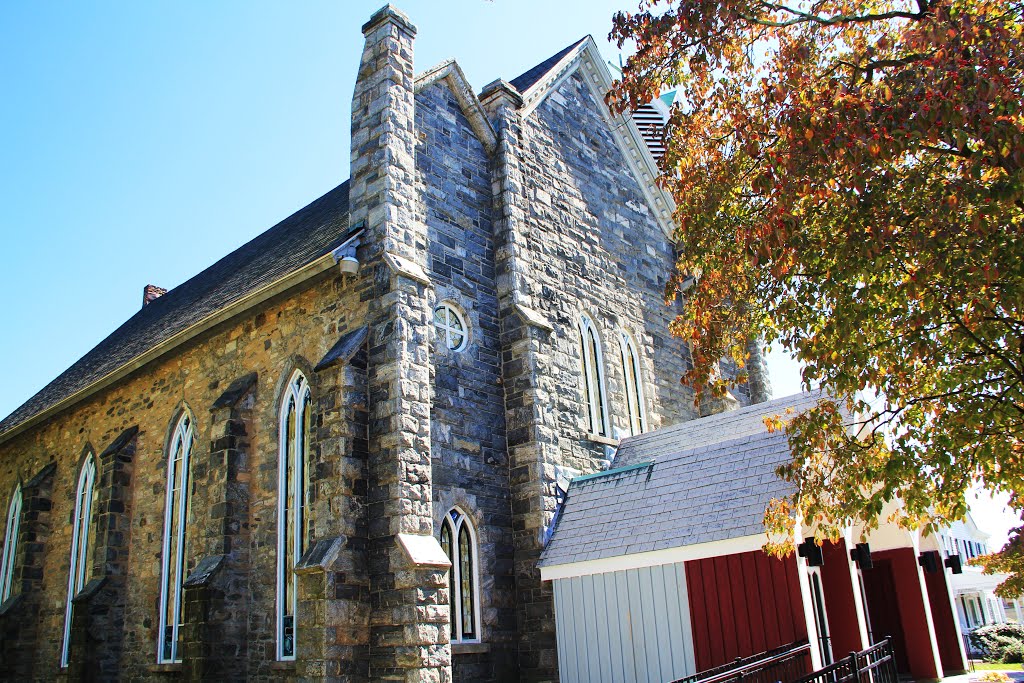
{"x": 701, "y": 481}
{"x": 297, "y": 241}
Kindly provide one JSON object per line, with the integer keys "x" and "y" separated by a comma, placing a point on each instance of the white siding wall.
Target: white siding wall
{"x": 631, "y": 625}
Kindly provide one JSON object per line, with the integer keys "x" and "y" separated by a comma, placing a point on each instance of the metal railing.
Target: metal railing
{"x": 877, "y": 664}
{"x": 970, "y": 652}
{"x": 786, "y": 663}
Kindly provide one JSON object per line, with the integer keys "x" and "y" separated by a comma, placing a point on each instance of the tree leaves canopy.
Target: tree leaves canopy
{"x": 848, "y": 177}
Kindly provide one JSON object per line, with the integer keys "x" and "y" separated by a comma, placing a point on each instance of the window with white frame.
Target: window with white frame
{"x": 10, "y": 545}
{"x": 458, "y": 538}
{"x": 81, "y": 544}
{"x": 634, "y": 385}
{"x": 820, "y": 616}
{"x": 292, "y": 523}
{"x": 451, "y": 327}
{"x": 176, "y": 509}
{"x": 593, "y": 377}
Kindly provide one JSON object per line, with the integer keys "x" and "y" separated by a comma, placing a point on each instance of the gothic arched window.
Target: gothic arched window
{"x": 10, "y": 545}
{"x": 292, "y": 489}
{"x": 633, "y": 385}
{"x": 172, "y": 571}
{"x": 593, "y": 377}
{"x": 458, "y": 538}
{"x": 81, "y": 544}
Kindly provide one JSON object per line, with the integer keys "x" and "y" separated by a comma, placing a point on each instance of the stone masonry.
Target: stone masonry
{"x": 520, "y": 210}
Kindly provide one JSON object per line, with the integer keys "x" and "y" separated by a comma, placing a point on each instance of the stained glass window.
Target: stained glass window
{"x": 593, "y": 378}
{"x": 458, "y": 539}
{"x": 633, "y": 385}
{"x": 293, "y": 525}
{"x": 451, "y": 327}
{"x": 81, "y": 545}
{"x": 10, "y": 545}
{"x": 176, "y": 509}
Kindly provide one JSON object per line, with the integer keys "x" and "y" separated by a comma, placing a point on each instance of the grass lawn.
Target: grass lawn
{"x": 986, "y": 666}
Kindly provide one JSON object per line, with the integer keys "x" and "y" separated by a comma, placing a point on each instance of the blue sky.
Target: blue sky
{"x": 142, "y": 141}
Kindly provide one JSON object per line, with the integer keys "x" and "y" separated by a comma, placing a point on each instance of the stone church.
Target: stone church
{"x": 336, "y": 453}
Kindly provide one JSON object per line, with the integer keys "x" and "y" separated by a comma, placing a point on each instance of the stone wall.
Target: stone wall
{"x": 294, "y": 331}
{"x": 469, "y": 453}
{"x": 583, "y": 242}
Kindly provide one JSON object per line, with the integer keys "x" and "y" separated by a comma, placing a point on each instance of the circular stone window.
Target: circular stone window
{"x": 451, "y": 327}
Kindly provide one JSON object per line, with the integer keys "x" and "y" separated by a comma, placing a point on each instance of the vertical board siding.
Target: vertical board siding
{"x": 746, "y": 603}
{"x": 624, "y": 626}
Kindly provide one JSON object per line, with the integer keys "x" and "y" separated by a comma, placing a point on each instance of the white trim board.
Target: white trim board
{"x": 653, "y": 558}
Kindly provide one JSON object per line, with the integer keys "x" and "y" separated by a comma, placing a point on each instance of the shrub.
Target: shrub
{"x": 1000, "y": 642}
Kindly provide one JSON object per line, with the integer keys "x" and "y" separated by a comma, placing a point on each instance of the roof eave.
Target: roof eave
{"x": 232, "y": 310}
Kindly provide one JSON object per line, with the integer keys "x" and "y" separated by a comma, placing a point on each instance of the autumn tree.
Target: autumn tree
{"x": 848, "y": 176}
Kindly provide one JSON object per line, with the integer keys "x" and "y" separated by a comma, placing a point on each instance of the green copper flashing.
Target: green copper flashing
{"x": 617, "y": 470}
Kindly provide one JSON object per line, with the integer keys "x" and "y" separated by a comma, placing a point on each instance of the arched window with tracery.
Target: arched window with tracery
{"x": 10, "y": 545}
{"x": 593, "y": 377}
{"x": 292, "y": 522}
{"x": 458, "y": 538}
{"x": 633, "y": 385}
{"x": 81, "y": 544}
{"x": 176, "y": 510}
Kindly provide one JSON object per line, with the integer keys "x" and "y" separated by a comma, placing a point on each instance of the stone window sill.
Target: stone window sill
{"x": 283, "y": 665}
{"x": 165, "y": 668}
{"x": 470, "y": 648}
{"x": 597, "y": 438}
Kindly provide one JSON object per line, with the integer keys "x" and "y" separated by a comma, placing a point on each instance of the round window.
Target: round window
{"x": 451, "y": 328}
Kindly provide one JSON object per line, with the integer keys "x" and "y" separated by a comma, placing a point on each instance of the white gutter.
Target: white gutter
{"x": 654, "y": 558}
{"x": 232, "y": 310}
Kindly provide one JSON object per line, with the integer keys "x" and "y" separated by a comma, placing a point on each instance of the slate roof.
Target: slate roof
{"x": 701, "y": 481}
{"x": 298, "y": 240}
{"x": 527, "y": 80}
{"x": 747, "y": 421}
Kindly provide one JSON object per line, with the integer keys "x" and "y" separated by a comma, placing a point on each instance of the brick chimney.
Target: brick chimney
{"x": 151, "y": 293}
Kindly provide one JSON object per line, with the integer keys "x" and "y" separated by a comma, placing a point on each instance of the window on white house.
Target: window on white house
{"x": 10, "y": 545}
{"x": 634, "y": 386}
{"x": 458, "y": 538}
{"x": 81, "y": 545}
{"x": 176, "y": 510}
{"x": 451, "y": 327}
{"x": 292, "y": 523}
{"x": 593, "y": 378}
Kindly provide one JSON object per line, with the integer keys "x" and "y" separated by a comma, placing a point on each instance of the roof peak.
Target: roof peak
{"x": 531, "y": 77}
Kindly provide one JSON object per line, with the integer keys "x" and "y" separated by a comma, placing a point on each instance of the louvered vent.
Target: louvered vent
{"x": 651, "y": 123}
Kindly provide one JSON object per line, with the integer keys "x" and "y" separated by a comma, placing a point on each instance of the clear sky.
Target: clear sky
{"x": 142, "y": 141}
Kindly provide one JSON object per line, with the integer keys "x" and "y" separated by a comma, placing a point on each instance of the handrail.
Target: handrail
{"x": 876, "y": 664}
{"x": 742, "y": 667}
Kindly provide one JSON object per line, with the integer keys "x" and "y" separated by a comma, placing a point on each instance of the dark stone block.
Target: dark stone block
{"x": 235, "y": 391}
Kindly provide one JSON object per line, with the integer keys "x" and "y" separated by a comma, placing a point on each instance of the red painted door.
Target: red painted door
{"x": 883, "y": 604}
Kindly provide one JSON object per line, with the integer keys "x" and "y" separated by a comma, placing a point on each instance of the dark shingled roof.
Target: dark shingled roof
{"x": 700, "y": 481}
{"x": 295, "y": 242}
{"x": 525, "y": 81}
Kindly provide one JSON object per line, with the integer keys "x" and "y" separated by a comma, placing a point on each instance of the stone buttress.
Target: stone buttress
{"x": 408, "y": 569}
